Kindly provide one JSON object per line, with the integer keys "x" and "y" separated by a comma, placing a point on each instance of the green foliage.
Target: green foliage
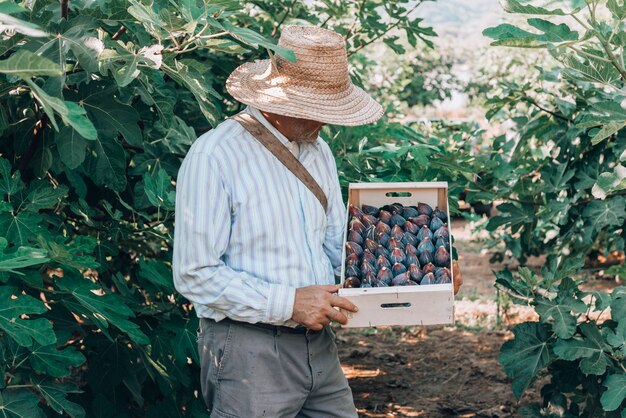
{"x": 560, "y": 171}
{"x": 561, "y": 176}
{"x": 100, "y": 101}
{"x": 395, "y": 152}
{"x": 584, "y": 356}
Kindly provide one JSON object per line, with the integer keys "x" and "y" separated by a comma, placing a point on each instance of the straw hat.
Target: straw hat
{"x": 316, "y": 87}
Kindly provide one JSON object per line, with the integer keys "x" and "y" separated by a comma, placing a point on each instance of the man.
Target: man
{"x": 255, "y": 246}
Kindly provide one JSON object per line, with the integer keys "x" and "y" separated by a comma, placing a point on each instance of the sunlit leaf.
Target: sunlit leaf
{"x": 25, "y": 64}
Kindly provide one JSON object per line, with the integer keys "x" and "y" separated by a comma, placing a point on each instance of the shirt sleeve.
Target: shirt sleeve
{"x": 201, "y": 234}
{"x": 333, "y": 242}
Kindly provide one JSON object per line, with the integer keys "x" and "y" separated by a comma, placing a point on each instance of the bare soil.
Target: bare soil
{"x": 442, "y": 371}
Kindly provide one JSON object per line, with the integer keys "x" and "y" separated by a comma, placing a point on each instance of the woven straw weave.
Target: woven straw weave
{"x": 317, "y": 86}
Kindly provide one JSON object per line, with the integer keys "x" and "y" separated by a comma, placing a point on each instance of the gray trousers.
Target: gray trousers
{"x": 249, "y": 372}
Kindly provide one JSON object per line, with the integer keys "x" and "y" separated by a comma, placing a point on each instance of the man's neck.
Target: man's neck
{"x": 277, "y": 124}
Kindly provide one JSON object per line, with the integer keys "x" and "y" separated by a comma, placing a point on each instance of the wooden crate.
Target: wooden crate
{"x": 402, "y": 305}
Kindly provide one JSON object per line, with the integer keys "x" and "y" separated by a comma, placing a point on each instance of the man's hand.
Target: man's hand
{"x": 458, "y": 277}
{"x": 314, "y": 306}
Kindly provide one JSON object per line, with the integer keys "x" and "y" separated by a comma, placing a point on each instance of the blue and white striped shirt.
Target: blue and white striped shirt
{"x": 247, "y": 231}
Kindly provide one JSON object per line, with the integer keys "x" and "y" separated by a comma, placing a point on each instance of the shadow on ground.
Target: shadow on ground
{"x": 434, "y": 372}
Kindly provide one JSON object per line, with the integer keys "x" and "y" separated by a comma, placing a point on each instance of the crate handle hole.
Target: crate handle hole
{"x": 398, "y": 194}
{"x": 395, "y": 305}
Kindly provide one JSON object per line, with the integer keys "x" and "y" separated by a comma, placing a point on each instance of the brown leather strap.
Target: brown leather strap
{"x": 280, "y": 151}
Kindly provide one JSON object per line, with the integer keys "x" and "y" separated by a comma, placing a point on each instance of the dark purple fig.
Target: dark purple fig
{"x": 400, "y": 280}
{"x": 382, "y": 251}
{"x": 352, "y": 260}
{"x": 367, "y": 268}
{"x": 384, "y": 275}
{"x": 369, "y": 257}
{"x": 442, "y": 273}
{"x": 425, "y": 209}
{"x": 382, "y": 228}
{"x": 397, "y": 208}
{"x": 383, "y": 239}
{"x": 353, "y": 270}
{"x": 368, "y": 280}
{"x": 357, "y": 226}
{"x": 393, "y": 243}
{"x": 442, "y": 243}
{"x": 411, "y": 258}
{"x": 424, "y": 232}
{"x": 426, "y": 257}
{"x": 410, "y": 212}
{"x": 384, "y": 216}
{"x": 398, "y": 269}
{"x": 380, "y": 283}
{"x": 435, "y": 224}
{"x": 427, "y": 279}
{"x": 397, "y": 256}
{"x": 415, "y": 273}
{"x": 429, "y": 268}
{"x": 397, "y": 220}
{"x": 370, "y": 210}
{"x": 411, "y": 228}
{"x": 420, "y": 220}
{"x": 369, "y": 220}
{"x": 409, "y": 238}
{"x": 440, "y": 214}
{"x": 370, "y": 245}
{"x": 443, "y": 280}
{"x": 382, "y": 262}
{"x": 394, "y": 208}
{"x": 370, "y": 232}
{"x": 355, "y": 237}
{"x": 426, "y": 245}
{"x": 442, "y": 233}
{"x": 397, "y": 232}
{"x": 410, "y": 248}
{"x": 353, "y": 248}
{"x": 442, "y": 257}
{"x": 352, "y": 282}
{"x": 356, "y": 212}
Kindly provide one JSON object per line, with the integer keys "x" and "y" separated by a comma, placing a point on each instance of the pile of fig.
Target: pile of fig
{"x": 397, "y": 245}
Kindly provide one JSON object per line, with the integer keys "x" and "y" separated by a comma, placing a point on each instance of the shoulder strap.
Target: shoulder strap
{"x": 282, "y": 153}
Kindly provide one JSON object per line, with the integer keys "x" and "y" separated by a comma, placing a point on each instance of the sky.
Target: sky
{"x": 462, "y": 20}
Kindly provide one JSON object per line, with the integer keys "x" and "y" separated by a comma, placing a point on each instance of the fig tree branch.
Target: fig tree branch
{"x": 531, "y": 101}
{"x": 119, "y": 33}
{"x": 275, "y": 30}
{"x": 356, "y": 18}
{"x": 387, "y": 30}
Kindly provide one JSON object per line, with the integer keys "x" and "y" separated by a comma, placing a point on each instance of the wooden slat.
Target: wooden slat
{"x": 429, "y": 305}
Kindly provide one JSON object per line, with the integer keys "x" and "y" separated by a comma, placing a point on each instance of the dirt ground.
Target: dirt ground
{"x": 440, "y": 371}
{"x": 443, "y": 372}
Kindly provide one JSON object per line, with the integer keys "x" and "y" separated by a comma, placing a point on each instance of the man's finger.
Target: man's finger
{"x": 343, "y": 303}
{"x": 330, "y": 288}
{"x": 337, "y": 316}
{"x": 458, "y": 277}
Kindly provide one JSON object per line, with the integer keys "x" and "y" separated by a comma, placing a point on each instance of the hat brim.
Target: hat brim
{"x": 257, "y": 85}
